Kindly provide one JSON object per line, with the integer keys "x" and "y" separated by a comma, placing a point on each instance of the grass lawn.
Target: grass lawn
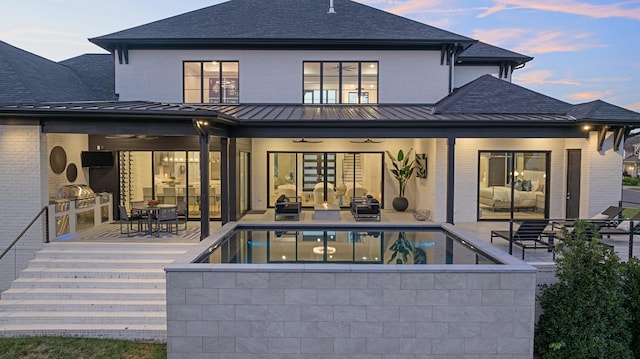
{"x": 79, "y": 348}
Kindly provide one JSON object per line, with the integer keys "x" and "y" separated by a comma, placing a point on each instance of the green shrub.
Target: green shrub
{"x": 584, "y": 315}
{"x": 631, "y": 289}
{"x": 630, "y": 181}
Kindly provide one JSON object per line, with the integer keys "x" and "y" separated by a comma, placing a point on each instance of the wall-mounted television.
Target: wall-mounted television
{"x": 96, "y": 159}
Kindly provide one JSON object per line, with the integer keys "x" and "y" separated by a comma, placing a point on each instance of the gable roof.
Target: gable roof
{"x": 281, "y": 22}
{"x": 602, "y": 112}
{"x": 97, "y": 71}
{"x": 488, "y": 94}
{"x": 483, "y": 52}
{"x": 26, "y": 77}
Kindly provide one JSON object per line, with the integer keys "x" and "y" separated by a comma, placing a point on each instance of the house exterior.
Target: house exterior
{"x": 233, "y": 105}
{"x": 267, "y": 81}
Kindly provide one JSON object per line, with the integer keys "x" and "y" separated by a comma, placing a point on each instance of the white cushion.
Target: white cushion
{"x": 626, "y": 225}
{"x": 535, "y": 186}
{"x": 600, "y": 216}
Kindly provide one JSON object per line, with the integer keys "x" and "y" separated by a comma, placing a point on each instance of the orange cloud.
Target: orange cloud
{"x": 532, "y": 42}
{"x": 634, "y": 106}
{"x": 414, "y": 6}
{"x": 588, "y": 96}
{"x": 541, "y": 77}
{"x": 628, "y": 9}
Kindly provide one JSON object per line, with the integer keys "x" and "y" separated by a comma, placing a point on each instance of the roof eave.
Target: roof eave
{"x": 110, "y": 44}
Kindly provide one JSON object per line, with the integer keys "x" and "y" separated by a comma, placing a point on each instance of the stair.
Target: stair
{"x": 99, "y": 290}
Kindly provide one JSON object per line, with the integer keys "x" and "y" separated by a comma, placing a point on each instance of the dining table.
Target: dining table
{"x": 151, "y": 212}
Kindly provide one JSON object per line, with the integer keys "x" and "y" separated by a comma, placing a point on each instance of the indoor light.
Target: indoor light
{"x": 320, "y": 250}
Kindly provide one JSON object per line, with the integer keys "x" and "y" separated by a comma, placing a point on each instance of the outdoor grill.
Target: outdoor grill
{"x": 82, "y": 194}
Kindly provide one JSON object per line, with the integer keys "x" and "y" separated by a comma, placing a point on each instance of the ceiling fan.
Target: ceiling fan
{"x": 368, "y": 140}
{"x": 302, "y": 140}
{"x": 127, "y": 137}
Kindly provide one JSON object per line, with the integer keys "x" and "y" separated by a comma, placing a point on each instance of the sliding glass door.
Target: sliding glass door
{"x": 513, "y": 182}
{"x": 169, "y": 177}
{"x": 325, "y": 177}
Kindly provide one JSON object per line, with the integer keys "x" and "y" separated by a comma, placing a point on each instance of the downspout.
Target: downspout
{"x": 452, "y": 68}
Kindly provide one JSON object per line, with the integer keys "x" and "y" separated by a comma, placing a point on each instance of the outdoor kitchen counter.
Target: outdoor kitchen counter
{"x": 68, "y": 216}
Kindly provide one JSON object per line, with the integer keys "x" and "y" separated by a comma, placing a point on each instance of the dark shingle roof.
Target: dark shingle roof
{"x": 97, "y": 71}
{"x": 25, "y": 77}
{"x": 491, "y": 95}
{"x": 282, "y": 20}
{"x": 600, "y": 111}
{"x": 481, "y": 51}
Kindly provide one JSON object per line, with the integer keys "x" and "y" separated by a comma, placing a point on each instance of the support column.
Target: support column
{"x": 204, "y": 186}
{"x": 224, "y": 180}
{"x": 451, "y": 158}
{"x": 233, "y": 179}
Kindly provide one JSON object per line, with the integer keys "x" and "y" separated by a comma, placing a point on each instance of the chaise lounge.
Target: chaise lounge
{"x": 530, "y": 234}
{"x": 365, "y": 208}
{"x": 285, "y": 208}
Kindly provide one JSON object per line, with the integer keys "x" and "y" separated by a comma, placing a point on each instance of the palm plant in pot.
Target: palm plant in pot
{"x": 402, "y": 170}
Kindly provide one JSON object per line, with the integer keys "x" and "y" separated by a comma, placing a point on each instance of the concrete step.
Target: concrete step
{"x": 83, "y": 294}
{"x": 87, "y": 317}
{"x": 41, "y": 262}
{"x": 91, "y": 289}
{"x": 113, "y": 331}
{"x": 42, "y": 305}
{"x": 102, "y": 273}
{"x": 89, "y": 283}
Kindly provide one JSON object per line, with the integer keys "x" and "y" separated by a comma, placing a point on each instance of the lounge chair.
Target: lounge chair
{"x": 287, "y": 207}
{"x": 365, "y": 208}
{"x": 607, "y": 218}
{"x": 628, "y": 227}
{"x": 530, "y": 234}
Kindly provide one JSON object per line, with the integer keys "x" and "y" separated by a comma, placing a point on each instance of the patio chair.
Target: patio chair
{"x": 530, "y": 234}
{"x": 285, "y": 207}
{"x": 365, "y": 208}
{"x": 183, "y": 212}
{"x": 167, "y": 217}
{"x": 128, "y": 220}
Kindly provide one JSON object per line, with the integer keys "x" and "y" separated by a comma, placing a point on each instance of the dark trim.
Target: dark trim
{"x": 451, "y": 181}
{"x": 278, "y": 44}
{"x": 602, "y": 135}
{"x": 224, "y": 180}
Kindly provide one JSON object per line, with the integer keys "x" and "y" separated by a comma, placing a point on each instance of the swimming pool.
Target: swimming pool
{"x": 344, "y": 245}
{"x": 234, "y": 295}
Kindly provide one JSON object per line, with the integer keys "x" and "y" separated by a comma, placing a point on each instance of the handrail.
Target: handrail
{"x": 44, "y": 209}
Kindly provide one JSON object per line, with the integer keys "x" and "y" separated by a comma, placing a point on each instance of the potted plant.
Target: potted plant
{"x": 402, "y": 170}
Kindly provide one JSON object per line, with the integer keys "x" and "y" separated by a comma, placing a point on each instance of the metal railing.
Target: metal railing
{"x": 45, "y": 211}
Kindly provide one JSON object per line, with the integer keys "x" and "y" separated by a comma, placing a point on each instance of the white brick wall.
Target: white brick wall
{"x": 23, "y": 195}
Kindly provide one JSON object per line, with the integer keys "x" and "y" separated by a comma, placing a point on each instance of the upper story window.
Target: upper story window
{"x": 211, "y": 82}
{"x": 340, "y": 82}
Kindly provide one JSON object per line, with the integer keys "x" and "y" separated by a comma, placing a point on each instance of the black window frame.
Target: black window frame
{"x": 340, "y": 100}
{"x": 202, "y": 80}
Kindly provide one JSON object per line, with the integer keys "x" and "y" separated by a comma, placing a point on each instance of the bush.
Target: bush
{"x": 584, "y": 315}
{"x": 630, "y": 181}
{"x": 631, "y": 289}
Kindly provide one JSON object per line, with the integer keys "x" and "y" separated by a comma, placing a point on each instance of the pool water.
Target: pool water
{"x": 350, "y": 246}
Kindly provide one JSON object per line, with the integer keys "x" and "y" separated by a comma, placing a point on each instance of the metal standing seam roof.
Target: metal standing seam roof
{"x": 276, "y": 113}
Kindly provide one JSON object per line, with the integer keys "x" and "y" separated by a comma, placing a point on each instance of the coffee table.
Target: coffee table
{"x": 325, "y": 211}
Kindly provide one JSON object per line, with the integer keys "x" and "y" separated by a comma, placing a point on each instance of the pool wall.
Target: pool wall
{"x": 350, "y": 311}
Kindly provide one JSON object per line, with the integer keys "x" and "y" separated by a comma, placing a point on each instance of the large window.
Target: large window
{"x": 211, "y": 82}
{"x": 340, "y": 82}
{"x": 513, "y": 182}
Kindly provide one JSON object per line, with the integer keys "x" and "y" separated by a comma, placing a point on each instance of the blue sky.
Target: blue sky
{"x": 583, "y": 49}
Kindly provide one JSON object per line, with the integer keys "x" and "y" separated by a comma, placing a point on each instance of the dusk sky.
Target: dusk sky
{"x": 583, "y": 49}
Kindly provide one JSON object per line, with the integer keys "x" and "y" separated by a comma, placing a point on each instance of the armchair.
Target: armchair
{"x": 365, "y": 208}
{"x": 288, "y": 207}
